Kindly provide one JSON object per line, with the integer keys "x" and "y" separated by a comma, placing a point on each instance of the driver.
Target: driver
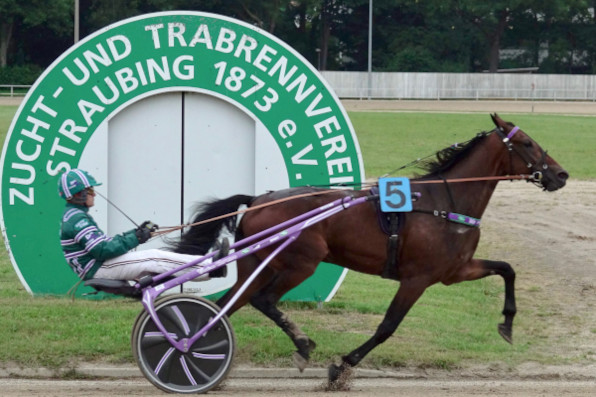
{"x": 92, "y": 254}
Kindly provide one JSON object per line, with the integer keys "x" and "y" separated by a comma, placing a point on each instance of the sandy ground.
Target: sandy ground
{"x": 309, "y": 388}
{"x": 550, "y": 239}
{"x": 14, "y": 101}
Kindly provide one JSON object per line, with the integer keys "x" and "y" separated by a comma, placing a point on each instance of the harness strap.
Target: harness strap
{"x": 390, "y": 270}
{"x": 453, "y": 217}
{"x": 463, "y": 219}
{"x": 511, "y": 133}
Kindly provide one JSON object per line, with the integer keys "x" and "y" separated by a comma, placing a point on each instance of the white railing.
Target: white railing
{"x": 471, "y": 94}
{"x": 13, "y": 90}
{"x": 437, "y": 86}
{"x": 544, "y": 94}
{"x": 474, "y": 86}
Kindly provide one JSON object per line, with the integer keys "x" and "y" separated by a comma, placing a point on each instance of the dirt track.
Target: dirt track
{"x": 309, "y": 388}
{"x": 550, "y": 239}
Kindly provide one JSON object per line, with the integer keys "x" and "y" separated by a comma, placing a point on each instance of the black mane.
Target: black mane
{"x": 448, "y": 157}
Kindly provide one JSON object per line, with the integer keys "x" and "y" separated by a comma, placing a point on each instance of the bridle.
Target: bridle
{"x": 537, "y": 167}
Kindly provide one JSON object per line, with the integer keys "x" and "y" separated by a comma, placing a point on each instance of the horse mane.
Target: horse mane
{"x": 448, "y": 157}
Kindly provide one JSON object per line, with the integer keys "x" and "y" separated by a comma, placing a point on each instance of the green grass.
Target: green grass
{"x": 448, "y": 327}
{"x": 6, "y": 115}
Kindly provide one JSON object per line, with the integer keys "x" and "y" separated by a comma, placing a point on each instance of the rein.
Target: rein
{"x": 535, "y": 178}
{"x": 529, "y": 177}
{"x": 170, "y": 229}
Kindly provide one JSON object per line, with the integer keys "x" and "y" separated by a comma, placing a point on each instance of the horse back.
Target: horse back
{"x": 351, "y": 238}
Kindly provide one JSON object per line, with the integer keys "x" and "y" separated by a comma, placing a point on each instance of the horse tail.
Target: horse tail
{"x": 198, "y": 239}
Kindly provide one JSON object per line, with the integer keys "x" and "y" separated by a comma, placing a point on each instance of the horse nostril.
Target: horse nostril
{"x": 563, "y": 175}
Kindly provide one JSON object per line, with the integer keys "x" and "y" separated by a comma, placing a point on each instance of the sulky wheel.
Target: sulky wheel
{"x": 206, "y": 363}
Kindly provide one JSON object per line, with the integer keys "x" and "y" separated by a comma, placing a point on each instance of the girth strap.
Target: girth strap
{"x": 390, "y": 224}
{"x": 390, "y": 270}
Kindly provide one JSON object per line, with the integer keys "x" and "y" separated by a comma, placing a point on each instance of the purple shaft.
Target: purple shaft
{"x": 290, "y": 230}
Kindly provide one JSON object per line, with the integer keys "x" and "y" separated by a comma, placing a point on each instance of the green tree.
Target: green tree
{"x": 532, "y": 27}
{"x": 490, "y": 18}
{"x": 56, "y": 15}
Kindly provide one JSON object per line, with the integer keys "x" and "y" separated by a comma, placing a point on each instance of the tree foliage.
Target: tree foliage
{"x": 557, "y": 36}
{"x": 23, "y": 24}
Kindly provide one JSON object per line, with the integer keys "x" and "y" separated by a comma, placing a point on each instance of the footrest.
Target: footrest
{"x": 117, "y": 287}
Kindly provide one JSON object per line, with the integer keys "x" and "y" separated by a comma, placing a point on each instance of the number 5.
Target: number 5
{"x": 392, "y": 189}
{"x": 395, "y": 195}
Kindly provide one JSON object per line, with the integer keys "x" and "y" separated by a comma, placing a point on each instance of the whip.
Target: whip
{"x": 116, "y": 207}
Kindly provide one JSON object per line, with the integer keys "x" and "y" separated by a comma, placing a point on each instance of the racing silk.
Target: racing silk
{"x": 85, "y": 246}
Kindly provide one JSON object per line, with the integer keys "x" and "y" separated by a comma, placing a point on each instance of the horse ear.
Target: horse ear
{"x": 497, "y": 120}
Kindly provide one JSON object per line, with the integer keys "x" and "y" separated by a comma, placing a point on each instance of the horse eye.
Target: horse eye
{"x": 528, "y": 144}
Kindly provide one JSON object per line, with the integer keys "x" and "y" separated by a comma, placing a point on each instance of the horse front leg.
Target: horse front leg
{"x": 407, "y": 294}
{"x": 480, "y": 268}
{"x": 505, "y": 270}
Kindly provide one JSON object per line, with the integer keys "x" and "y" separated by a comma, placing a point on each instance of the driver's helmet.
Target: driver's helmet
{"x": 74, "y": 181}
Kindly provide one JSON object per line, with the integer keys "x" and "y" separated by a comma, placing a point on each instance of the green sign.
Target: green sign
{"x": 145, "y": 56}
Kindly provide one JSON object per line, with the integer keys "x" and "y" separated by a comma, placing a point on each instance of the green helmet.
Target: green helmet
{"x": 74, "y": 181}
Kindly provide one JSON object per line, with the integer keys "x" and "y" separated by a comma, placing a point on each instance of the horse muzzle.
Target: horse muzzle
{"x": 552, "y": 179}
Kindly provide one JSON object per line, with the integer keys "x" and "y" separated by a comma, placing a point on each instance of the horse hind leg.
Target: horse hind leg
{"x": 303, "y": 343}
{"x": 266, "y": 300}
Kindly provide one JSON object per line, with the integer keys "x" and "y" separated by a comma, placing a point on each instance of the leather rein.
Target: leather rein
{"x": 535, "y": 178}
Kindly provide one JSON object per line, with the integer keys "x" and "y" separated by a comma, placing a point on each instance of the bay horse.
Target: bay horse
{"x": 430, "y": 249}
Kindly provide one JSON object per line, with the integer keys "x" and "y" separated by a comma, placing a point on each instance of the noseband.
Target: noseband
{"x": 537, "y": 167}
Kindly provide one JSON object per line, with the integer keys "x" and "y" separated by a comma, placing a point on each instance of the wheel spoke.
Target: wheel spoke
{"x": 187, "y": 371}
{"x": 209, "y": 356}
{"x": 199, "y": 372}
{"x": 171, "y": 314}
{"x": 217, "y": 346}
{"x": 164, "y": 360}
{"x": 181, "y": 320}
{"x": 155, "y": 338}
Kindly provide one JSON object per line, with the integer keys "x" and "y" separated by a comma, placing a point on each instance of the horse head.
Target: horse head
{"x": 527, "y": 155}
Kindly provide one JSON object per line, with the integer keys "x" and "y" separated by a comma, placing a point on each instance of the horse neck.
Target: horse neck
{"x": 489, "y": 158}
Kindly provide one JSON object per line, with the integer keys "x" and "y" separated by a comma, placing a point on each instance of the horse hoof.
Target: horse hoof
{"x": 299, "y": 361}
{"x": 506, "y": 333}
{"x": 340, "y": 377}
{"x": 333, "y": 373}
